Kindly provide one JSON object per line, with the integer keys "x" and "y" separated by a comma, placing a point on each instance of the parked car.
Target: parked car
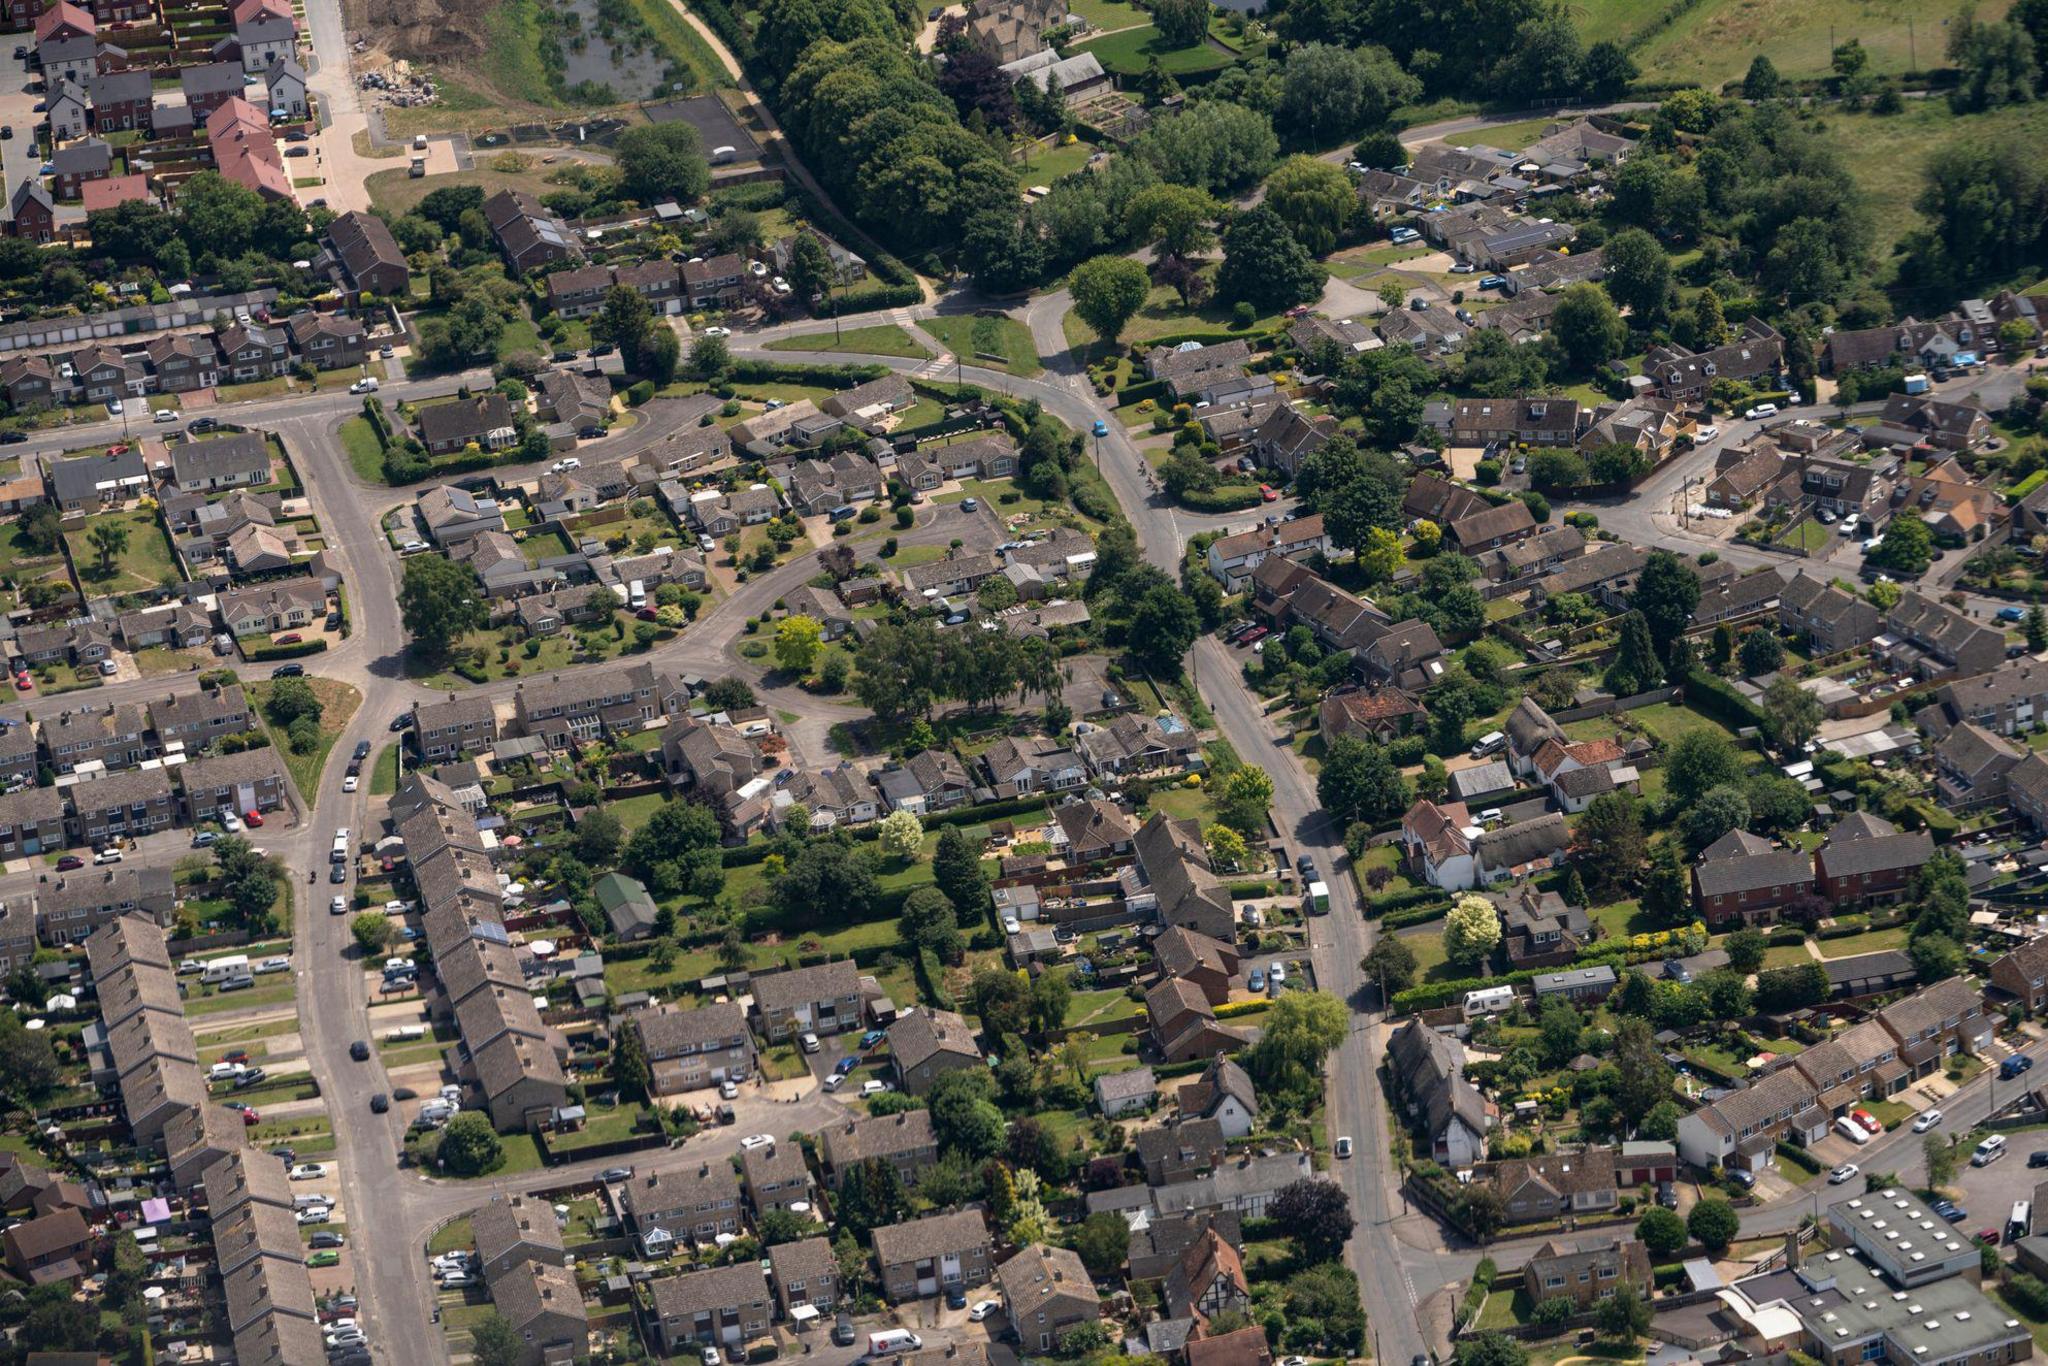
{"x": 1343, "y": 1147}
{"x": 379, "y": 1103}
{"x": 1926, "y": 1121}
{"x": 68, "y": 862}
{"x": 616, "y": 1174}
{"x": 983, "y": 1309}
{"x": 1843, "y": 1174}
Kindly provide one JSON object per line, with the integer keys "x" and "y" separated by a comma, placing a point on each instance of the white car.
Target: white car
{"x": 1926, "y": 1121}
{"x": 1848, "y": 1171}
{"x": 314, "y": 1214}
{"x": 1344, "y": 1146}
{"x": 1762, "y": 410}
{"x": 1277, "y": 974}
{"x": 348, "y": 784}
{"x": 718, "y": 332}
{"x": 753, "y": 1141}
{"x": 413, "y": 548}
{"x": 729, "y": 1089}
{"x": 1011, "y": 925}
{"x": 873, "y": 1087}
{"x": 308, "y": 1171}
{"x": 455, "y": 1280}
{"x": 165, "y": 415}
{"x": 114, "y": 406}
{"x": 708, "y": 1355}
{"x": 278, "y": 964}
{"x": 348, "y": 1338}
{"x": 983, "y": 1309}
{"x": 338, "y": 906}
{"x": 106, "y": 856}
{"x": 835, "y": 1081}
{"x": 366, "y": 385}
{"x": 231, "y": 823}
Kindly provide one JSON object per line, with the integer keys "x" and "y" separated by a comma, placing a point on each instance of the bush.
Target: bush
{"x": 640, "y": 393}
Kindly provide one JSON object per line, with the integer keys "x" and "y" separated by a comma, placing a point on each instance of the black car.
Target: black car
{"x": 1667, "y": 1195}
{"x": 12, "y": 438}
{"x": 2039, "y": 1159}
{"x": 362, "y": 749}
{"x": 289, "y": 671}
{"x": 359, "y": 1050}
{"x": 842, "y": 1330}
{"x": 563, "y": 355}
{"x": 405, "y": 1093}
{"x": 6, "y": 132}
{"x": 337, "y": 872}
{"x": 204, "y": 424}
{"x": 1305, "y": 865}
{"x": 602, "y": 349}
{"x": 379, "y": 1103}
{"x": 327, "y": 1238}
{"x": 400, "y": 722}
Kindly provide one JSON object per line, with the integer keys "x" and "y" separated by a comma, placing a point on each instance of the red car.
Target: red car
{"x": 1267, "y": 494}
{"x": 250, "y": 1116}
{"x": 235, "y": 1055}
{"x": 648, "y": 614}
{"x": 68, "y": 862}
{"x": 289, "y": 638}
{"x": 1254, "y": 636}
{"x": 253, "y": 817}
{"x": 23, "y": 681}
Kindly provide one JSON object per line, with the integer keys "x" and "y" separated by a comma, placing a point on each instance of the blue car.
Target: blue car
{"x": 2011, "y": 614}
{"x": 871, "y": 1038}
{"x": 845, "y": 1065}
{"x": 1491, "y": 282}
{"x": 1101, "y": 427}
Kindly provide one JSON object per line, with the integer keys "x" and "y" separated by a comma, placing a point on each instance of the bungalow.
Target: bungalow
{"x": 484, "y": 420}
{"x": 1558, "y": 1186}
{"x": 1523, "y": 421}
{"x": 280, "y": 605}
{"x": 1379, "y": 714}
{"x": 1231, "y": 559}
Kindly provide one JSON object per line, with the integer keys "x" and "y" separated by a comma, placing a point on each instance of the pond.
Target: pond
{"x": 587, "y": 44}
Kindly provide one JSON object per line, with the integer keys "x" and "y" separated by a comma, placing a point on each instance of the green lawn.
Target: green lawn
{"x": 365, "y": 452}
{"x": 143, "y": 563}
{"x": 1807, "y": 535}
{"x": 1163, "y": 316}
{"x": 1131, "y": 52}
{"x": 1870, "y": 941}
{"x": 1521, "y": 134}
{"x": 1044, "y": 165}
{"x": 1108, "y": 15}
{"x": 384, "y": 777}
{"x": 981, "y": 341}
{"x": 340, "y": 702}
{"x": 1715, "y": 40}
{"x": 885, "y": 339}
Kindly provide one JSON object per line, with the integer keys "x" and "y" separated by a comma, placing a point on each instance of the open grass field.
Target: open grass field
{"x": 1129, "y": 53}
{"x": 144, "y": 562}
{"x": 1889, "y": 156}
{"x": 396, "y": 191}
{"x": 1108, "y": 15}
{"x": 340, "y": 702}
{"x": 1044, "y": 165}
{"x": 1163, "y": 316}
{"x": 1715, "y": 40}
{"x": 365, "y": 453}
{"x": 886, "y": 339}
{"x": 975, "y": 340}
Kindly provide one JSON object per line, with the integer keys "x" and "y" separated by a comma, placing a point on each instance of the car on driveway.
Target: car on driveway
{"x": 328, "y": 1238}
{"x": 69, "y": 862}
{"x": 842, "y": 1330}
{"x": 956, "y": 1297}
{"x": 873, "y": 1087}
{"x": 983, "y": 1309}
{"x": 1843, "y": 1174}
{"x": 845, "y": 1065}
{"x": 307, "y": 1171}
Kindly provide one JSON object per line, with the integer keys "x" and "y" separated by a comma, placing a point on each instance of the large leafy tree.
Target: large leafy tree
{"x": 1264, "y": 265}
{"x": 1471, "y": 931}
{"x": 1638, "y": 275}
{"x": 1316, "y": 200}
{"x": 1666, "y": 593}
{"x": 662, "y": 161}
{"x": 439, "y": 600}
{"x": 1358, "y": 782}
{"x": 1587, "y": 329}
{"x": 1108, "y": 292}
{"x": 1329, "y": 93}
{"x": 1296, "y": 1035}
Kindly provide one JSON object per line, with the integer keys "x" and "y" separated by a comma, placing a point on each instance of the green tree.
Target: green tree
{"x": 470, "y": 1146}
{"x": 1103, "y": 1241}
{"x": 631, "y": 1072}
{"x": 1718, "y": 811}
{"x": 1491, "y": 1349}
{"x": 1265, "y": 265}
{"x": 43, "y": 528}
{"x": 1163, "y": 627}
{"x": 1358, "y": 782}
{"x": 1643, "y": 1078}
{"x": 797, "y": 641}
{"x": 1638, "y": 275}
{"x": 372, "y": 931}
{"x": 1391, "y": 964}
{"x": 1611, "y": 844}
{"x": 1181, "y": 23}
{"x": 493, "y": 1341}
{"x": 625, "y": 321}
{"x": 109, "y": 540}
{"x": 1315, "y": 198}
{"x": 662, "y": 161}
{"x": 1243, "y": 797}
{"x": 439, "y": 600}
{"x": 1940, "y": 1157}
{"x": 1330, "y": 92}
{"x": 1793, "y": 712}
{"x": 1635, "y": 667}
{"x": 1665, "y": 593}
{"x": 1588, "y": 331}
{"x": 1698, "y": 760}
{"x": 1108, "y": 292}
{"x": 929, "y": 923}
{"x": 1762, "y": 82}
{"x": 1625, "y": 1314}
{"x": 1316, "y": 1215}
{"x": 1713, "y": 1224}
{"x": 2035, "y": 625}
{"x": 1745, "y": 949}
{"x": 1298, "y": 1032}
{"x": 1661, "y": 1232}
{"x": 957, "y": 871}
{"x": 1471, "y": 931}
{"x": 710, "y": 357}
{"x": 1760, "y": 652}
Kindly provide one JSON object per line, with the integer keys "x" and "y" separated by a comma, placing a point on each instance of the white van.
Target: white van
{"x": 1851, "y": 1130}
{"x": 1989, "y": 1151}
{"x": 339, "y": 853}
{"x": 1493, "y": 742}
{"x": 892, "y": 1341}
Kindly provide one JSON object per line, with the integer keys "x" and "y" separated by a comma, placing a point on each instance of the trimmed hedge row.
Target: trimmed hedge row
{"x": 1713, "y": 697}
{"x": 778, "y": 372}
{"x": 1402, "y": 901}
{"x": 1229, "y": 498}
{"x": 298, "y": 651}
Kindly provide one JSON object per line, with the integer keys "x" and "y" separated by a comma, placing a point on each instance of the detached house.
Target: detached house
{"x": 1522, "y": 421}
{"x": 1428, "y": 1074}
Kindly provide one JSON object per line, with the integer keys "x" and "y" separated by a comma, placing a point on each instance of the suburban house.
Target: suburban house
{"x": 485, "y": 421}
{"x": 1587, "y": 1272}
{"x": 822, "y": 999}
{"x": 1427, "y": 1070}
{"x": 921, "y": 1256}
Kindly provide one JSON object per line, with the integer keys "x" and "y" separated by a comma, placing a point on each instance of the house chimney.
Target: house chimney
{"x": 1793, "y": 1257}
